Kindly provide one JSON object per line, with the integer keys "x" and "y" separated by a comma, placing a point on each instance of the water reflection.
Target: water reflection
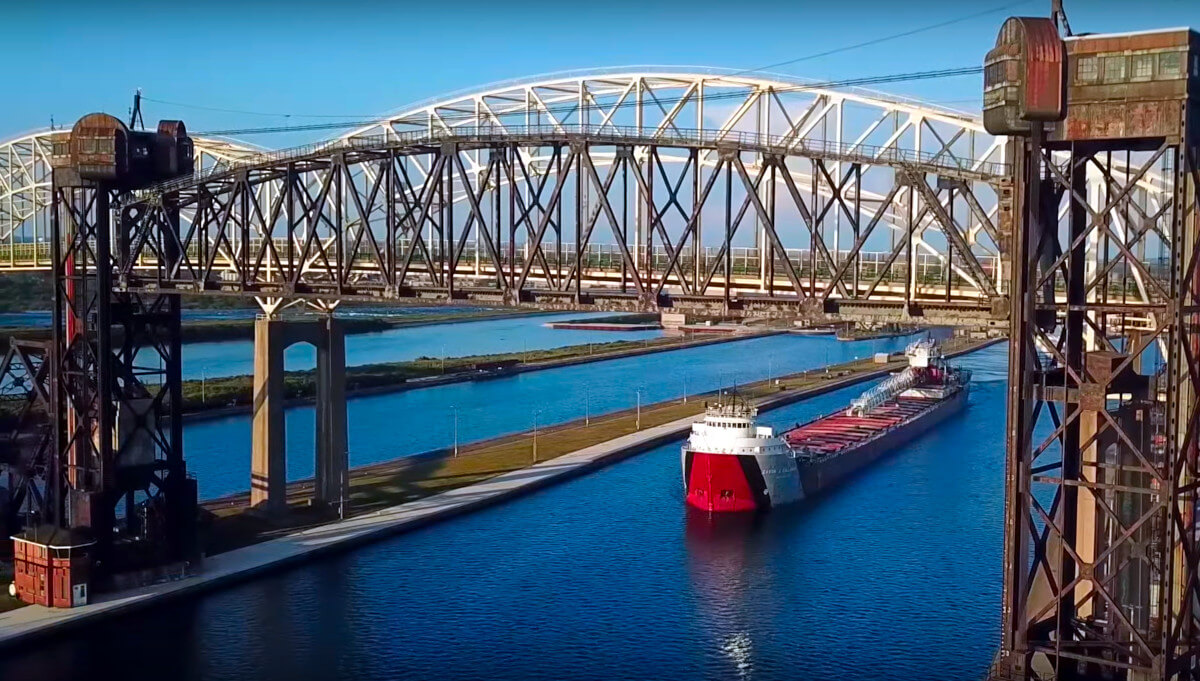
{"x": 721, "y": 550}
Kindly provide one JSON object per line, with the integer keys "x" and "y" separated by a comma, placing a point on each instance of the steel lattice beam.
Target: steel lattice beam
{"x": 318, "y": 223}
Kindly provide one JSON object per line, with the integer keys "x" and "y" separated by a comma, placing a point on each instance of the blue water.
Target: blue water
{"x": 458, "y": 339}
{"x": 893, "y": 575}
{"x": 391, "y": 425}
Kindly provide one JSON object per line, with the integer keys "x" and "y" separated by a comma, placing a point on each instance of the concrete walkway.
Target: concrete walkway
{"x": 34, "y": 621}
{"x": 31, "y": 621}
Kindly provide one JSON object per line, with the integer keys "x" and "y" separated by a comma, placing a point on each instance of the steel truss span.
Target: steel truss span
{"x": 849, "y": 188}
{"x": 317, "y": 222}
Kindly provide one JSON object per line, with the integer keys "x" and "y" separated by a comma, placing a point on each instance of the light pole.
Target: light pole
{"x": 639, "y": 409}
{"x": 587, "y": 406}
{"x": 535, "y": 426}
{"x": 685, "y": 387}
{"x": 203, "y": 386}
{"x": 454, "y": 409}
{"x": 770, "y": 368}
{"x": 342, "y": 497}
{"x": 443, "y": 359}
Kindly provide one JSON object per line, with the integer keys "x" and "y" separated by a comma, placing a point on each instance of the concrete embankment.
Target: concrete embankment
{"x": 30, "y": 622}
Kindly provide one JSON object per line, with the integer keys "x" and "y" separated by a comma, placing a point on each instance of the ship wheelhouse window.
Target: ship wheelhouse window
{"x": 1087, "y": 69}
{"x": 1143, "y": 66}
{"x": 1170, "y": 65}
{"x": 1114, "y": 69}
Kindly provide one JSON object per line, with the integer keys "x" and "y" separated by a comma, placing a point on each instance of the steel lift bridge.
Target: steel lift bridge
{"x": 619, "y": 190}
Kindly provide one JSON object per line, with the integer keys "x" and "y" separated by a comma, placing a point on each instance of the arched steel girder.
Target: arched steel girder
{"x": 659, "y": 100}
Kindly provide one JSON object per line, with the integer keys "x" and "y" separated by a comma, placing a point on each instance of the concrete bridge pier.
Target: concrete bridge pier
{"x": 268, "y": 468}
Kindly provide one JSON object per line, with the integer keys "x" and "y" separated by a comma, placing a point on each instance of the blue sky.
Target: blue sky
{"x": 357, "y": 58}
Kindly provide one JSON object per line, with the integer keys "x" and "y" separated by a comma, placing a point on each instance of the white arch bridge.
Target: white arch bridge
{"x": 619, "y": 190}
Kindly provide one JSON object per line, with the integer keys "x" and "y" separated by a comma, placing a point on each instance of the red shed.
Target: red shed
{"x": 52, "y": 566}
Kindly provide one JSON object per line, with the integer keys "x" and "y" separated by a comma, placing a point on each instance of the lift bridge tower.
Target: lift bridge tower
{"x": 117, "y": 502}
{"x": 1101, "y": 543}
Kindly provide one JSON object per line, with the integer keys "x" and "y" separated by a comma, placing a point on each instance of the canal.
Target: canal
{"x": 894, "y": 575}
{"x": 391, "y": 425}
{"x": 454, "y": 339}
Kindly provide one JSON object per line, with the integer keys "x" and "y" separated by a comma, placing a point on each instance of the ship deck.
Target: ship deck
{"x": 839, "y": 431}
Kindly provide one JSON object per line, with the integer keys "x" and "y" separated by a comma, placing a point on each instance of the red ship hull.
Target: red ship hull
{"x": 721, "y": 483}
{"x": 834, "y": 447}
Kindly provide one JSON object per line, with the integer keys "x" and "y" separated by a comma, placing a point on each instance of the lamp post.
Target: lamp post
{"x": 639, "y": 409}
{"x": 535, "y": 428}
{"x": 342, "y": 497}
{"x": 685, "y": 387}
{"x": 454, "y": 409}
{"x": 587, "y": 405}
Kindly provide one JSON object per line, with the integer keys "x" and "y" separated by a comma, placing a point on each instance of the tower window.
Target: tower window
{"x": 1114, "y": 69}
{"x": 1087, "y": 70}
{"x": 1143, "y": 66}
{"x": 1170, "y": 65}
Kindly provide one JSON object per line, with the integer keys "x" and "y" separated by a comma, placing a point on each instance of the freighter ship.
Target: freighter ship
{"x": 730, "y": 463}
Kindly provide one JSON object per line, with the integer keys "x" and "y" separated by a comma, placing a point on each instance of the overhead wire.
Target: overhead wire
{"x": 246, "y": 112}
{"x": 887, "y": 38}
{"x": 571, "y": 108}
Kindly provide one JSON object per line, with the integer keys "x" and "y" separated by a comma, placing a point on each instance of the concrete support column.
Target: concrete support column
{"x": 268, "y": 458}
{"x": 332, "y": 464}
{"x": 268, "y": 467}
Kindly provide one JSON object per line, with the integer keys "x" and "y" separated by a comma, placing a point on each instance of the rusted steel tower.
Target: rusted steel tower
{"x": 115, "y": 478}
{"x": 1101, "y": 556}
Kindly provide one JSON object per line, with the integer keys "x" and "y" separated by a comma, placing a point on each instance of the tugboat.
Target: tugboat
{"x": 730, "y": 463}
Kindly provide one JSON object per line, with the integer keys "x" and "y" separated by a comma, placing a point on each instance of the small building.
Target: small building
{"x": 673, "y": 320}
{"x": 52, "y": 566}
